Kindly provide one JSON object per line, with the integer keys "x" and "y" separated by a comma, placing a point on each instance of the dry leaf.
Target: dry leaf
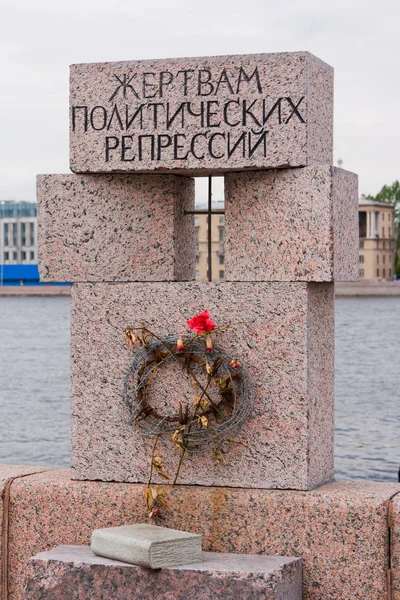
{"x": 203, "y": 421}
{"x": 219, "y": 457}
{"x": 177, "y": 439}
{"x": 148, "y": 496}
{"x": 204, "y": 404}
{"x": 157, "y": 464}
{"x": 197, "y": 401}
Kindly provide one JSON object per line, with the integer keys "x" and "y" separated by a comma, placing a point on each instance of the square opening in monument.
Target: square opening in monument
{"x": 210, "y": 228}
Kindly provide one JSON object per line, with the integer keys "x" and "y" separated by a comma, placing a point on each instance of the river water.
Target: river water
{"x": 34, "y": 385}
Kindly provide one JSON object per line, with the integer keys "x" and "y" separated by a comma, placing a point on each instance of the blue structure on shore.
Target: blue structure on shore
{"x": 21, "y": 275}
{"x": 18, "y": 244}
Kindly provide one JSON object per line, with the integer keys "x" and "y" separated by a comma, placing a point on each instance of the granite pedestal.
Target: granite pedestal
{"x": 74, "y": 572}
{"x": 348, "y": 533}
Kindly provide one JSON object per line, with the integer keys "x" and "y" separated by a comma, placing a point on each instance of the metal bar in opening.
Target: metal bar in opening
{"x": 217, "y": 211}
{"x": 209, "y": 231}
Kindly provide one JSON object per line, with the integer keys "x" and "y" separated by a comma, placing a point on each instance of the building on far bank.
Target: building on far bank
{"x": 18, "y": 232}
{"x": 18, "y": 243}
{"x": 217, "y": 245}
{"x": 377, "y": 239}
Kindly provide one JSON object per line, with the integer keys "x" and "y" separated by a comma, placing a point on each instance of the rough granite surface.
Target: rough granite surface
{"x": 345, "y": 225}
{"x": 287, "y": 330}
{"x": 291, "y": 225}
{"x": 340, "y": 529}
{"x": 394, "y": 524}
{"x": 115, "y": 228}
{"x": 74, "y": 572}
{"x": 8, "y": 472}
{"x": 201, "y": 115}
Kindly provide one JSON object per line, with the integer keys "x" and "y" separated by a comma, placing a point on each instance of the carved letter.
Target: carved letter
{"x": 210, "y": 145}
{"x": 124, "y": 148}
{"x": 246, "y": 111}
{"x": 85, "y": 109}
{"x": 277, "y": 105}
{"x": 204, "y": 82}
{"x": 262, "y": 135}
{"x": 147, "y": 84}
{"x": 140, "y": 139}
{"x": 295, "y": 111}
{"x": 186, "y": 78}
{"x": 165, "y": 80}
{"x": 247, "y": 78}
{"x": 180, "y": 110}
{"x": 211, "y": 114}
{"x": 155, "y": 106}
{"x": 115, "y": 113}
{"x": 160, "y": 145}
{"x": 109, "y": 147}
{"x": 139, "y": 111}
{"x": 192, "y": 149}
{"x": 194, "y": 114}
{"x": 178, "y": 146}
{"x": 226, "y": 113}
{"x": 92, "y": 115}
{"x": 242, "y": 138}
{"x": 224, "y": 79}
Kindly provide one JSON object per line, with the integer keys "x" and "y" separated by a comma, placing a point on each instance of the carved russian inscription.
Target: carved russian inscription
{"x": 203, "y": 114}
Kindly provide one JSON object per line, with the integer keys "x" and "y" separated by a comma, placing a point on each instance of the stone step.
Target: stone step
{"x": 76, "y": 573}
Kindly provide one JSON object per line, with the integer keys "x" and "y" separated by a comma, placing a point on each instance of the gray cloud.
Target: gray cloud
{"x": 38, "y": 40}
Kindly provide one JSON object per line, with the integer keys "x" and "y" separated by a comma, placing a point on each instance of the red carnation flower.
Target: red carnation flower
{"x": 201, "y": 323}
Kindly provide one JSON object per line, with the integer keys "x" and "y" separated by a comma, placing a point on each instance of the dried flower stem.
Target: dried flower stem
{"x": 179, "y": 465}
{"x": 152, "y": 459}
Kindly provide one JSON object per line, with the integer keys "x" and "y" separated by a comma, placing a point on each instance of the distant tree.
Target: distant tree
{"x": 391, "y": 195}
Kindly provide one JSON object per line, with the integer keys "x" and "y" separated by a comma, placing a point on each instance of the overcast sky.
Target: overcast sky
{"x": 40, "y": 38}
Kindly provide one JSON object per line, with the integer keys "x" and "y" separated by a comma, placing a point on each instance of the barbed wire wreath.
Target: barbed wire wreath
{"x": 223, "y": 395}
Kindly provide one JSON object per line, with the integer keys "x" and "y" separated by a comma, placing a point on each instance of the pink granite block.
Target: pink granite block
{"x": 48, "y": 526}
{"x": 8, "y": 474}
{"x": 115, "y": 228}
{"x": 341, "y": 530}
{"x": 286, "y": 341}
{"x": 291, "y": 225}
{"x": 74, "y": 572}
{"x": 394, "y": 526}
{"x": 320, "y": 111}
{"x": 201, "y": 115}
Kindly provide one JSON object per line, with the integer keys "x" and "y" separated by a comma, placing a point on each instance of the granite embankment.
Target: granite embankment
{"x": 359, "y": 288}
{"x": 35, "y": 290}
{"x": 368, "y": 288}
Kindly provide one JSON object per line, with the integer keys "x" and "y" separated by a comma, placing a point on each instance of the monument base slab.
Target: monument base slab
{"x": 74, "y": 572}
{"x": 348, "y": 533}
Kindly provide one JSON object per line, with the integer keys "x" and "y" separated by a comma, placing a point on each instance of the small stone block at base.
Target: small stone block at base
{"x": 147, "y": 545}
{"x": 74, "y": 572}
